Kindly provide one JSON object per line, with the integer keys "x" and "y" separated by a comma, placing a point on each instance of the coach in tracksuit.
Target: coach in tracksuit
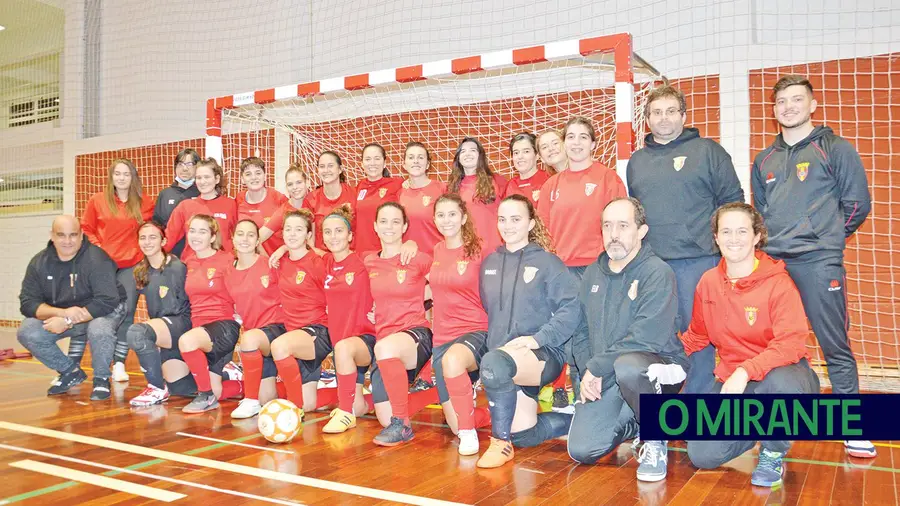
{"x": 811, "y": 188}
{"x": 182, "y": 188}
{"x": 629, "y": 302}
{"x": 681, "y": 179}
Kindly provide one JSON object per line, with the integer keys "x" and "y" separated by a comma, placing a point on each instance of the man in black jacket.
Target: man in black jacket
{"x": 630, "y": 348}
{"x": 182, "y": 188}
{"x": 70, "y": 290}
{"x": 811, "y": 188}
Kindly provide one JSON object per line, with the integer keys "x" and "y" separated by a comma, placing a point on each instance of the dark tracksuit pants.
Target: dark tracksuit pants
{"x": 598, "y": 427}
{"x": 796, "y": 378}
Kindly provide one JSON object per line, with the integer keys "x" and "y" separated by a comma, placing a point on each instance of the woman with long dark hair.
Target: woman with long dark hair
{"x": 472, "y": 178}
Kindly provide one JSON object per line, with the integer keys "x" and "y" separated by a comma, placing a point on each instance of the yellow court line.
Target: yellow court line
{"x": 305, "y": 481}
{"x": 99, "y": 480}
{"x": 885, "y": 445}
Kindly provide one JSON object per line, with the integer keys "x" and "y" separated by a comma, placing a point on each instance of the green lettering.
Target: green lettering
{"x": 752, "y": 418}
{"x": 778, "y": 418}
{"x": 846, "y": 418}
{"x": 704, "y": 420}
{"x": 812, "y": 424}
{"x": 684, "y": 417}
{"x": 829, "y": 405}
{"x": 737, "y": 418}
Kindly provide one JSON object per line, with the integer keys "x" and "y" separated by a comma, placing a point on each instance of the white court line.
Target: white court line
{"x": 148, "y": 475}
{"x": 255, "y": 447}
{"x": 334, "y": 486}
{"x": 98, "y": 480}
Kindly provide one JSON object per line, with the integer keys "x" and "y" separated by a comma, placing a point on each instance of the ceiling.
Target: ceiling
{"x": 33, "y": 29}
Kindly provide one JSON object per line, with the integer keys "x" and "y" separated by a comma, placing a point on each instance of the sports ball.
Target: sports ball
{"x": 279, "y": 421}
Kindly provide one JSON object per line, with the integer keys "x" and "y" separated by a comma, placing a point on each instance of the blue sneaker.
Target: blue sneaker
{"x": 770, "y": 469}
{"x": 654, "y": 460}
{"x": 394, "y": 434}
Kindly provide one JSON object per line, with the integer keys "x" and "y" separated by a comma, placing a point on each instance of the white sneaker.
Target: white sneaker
{"x": 246, "y": 409}
{"x": 233, "y": 371}
{"x": 150, "y": 396}
{"x": 861, "y": 449}
{"x": 118, "y": 373}
{"x": 468, "y": 442}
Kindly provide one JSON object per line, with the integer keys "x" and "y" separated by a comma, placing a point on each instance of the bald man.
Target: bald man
{"x": 70, "y": 290}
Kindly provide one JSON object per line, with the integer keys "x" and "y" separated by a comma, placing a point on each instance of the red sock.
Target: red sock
{"x": 253, "y": 366}
{"x": 196, "y": 362}
{"x": 370, "y": 404}
{"x": 396, "y": 384}
{"x": 460, "y": 390}
{"x": 280, "y": 391}
{"x": 561, "y": 380}
{"x": 293, "y": 382}
{"x": 326, "y": 397}
{"x": 425, "y": 373}
{"x": 418, "y": 400}
{"x": 482, "y": 418}
{"x": 232, "y": 389}
{"x": 346, "y": 391}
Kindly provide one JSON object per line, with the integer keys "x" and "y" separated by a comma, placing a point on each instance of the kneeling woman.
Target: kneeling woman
{"x": 532, "y": 305}
{"x": 750, "y": 310}
{"x": 160, "y": 276}
{"x": 208, "y": 346}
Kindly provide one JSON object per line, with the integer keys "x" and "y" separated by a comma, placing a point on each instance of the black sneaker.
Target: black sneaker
{"x": 561, "y": 402}
{"x": 66, "y": 381}
{"x": 420, "y": 386}
{"x": 101, "y": 389}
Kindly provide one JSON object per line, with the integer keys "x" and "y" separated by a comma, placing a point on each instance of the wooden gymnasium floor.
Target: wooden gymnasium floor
{"x": 68, "y": 450}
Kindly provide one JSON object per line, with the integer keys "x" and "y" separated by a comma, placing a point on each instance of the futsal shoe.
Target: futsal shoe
{"x": 394, "y": 434}
{"x": 66, "y": 381}
{"x": 151, "y": 396}
{"x": 247, "y": 408}
{"x": 653, "y": 458}
{"x": 204, "y": 401}
{"x": 861, "y": 449}
{"x": 101, "y": 389}
{"x": 468, "y": 442}
{"x": 500, "y": 452}
{"x": 340, "y": 421}
{"x": 118, "y": 373}
{"x": 421, "y": 385}
{"x": 561, "y": 402}
{"x": 770, "y": 469}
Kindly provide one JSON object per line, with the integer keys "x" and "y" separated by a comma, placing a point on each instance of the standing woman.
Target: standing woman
{"x": 333, "y": 193}
{"x": 418, "y": 196}
{"x": 210, "y": 180}
{"x": 481, "y": 189}
{"x": 532, "y": 306}
{"x": 402, "y": 331}
{"x": 460, "y": 323}
{"x": 258, "y": 202}
{"x": 111, "y": 220}
{"x": 298, "y": 354}
{"x": 208, "y": 346}
{"x": 253, "y": 286}
{"x": 160, "y": 276}
{"x": 375, "y": 189}
{"x": 297, "y": 184}
{"x": 552, "y": 151}
{"x": 528, "y": 179}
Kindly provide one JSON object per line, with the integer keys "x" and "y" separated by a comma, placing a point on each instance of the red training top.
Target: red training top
{"x": 205, "y": 288}
{"x": 530, "y": 187}
{"x": 261, "y": 213}
{"x": 348, "y": 297}
{"x": 302, "y": 286}
{"x": 370, "y": 195}
{"x": 572, "y": 207}
{"x": 276, "y": 222}
{"x": 454, "y": 288}
{"x": 399, "y": 292}
{"x": 484, "y": 216}
{"x": 222, "y": 208}
{"x": 115, "y": 233}
{"x": 419, "y": 205}
{"x": 321, "y": 206}
{"x": 255, "y": 293}
{"x": 758, "y": 323}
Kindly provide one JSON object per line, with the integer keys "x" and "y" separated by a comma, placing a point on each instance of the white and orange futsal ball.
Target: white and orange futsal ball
{"x": 279, "y": 421}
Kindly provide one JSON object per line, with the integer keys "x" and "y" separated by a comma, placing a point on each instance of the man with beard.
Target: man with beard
{"x": 810, "y": 187}
{"x": 630, "y": 347}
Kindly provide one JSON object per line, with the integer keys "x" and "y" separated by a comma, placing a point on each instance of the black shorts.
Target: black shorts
{"x": 272, "y": 332}
{"x": 554, "y": 361}
{"x": 422, "y": 336}
{"x": 224, "y": 335}
{"x": 311, "y": 370}
{"x": 475, "y": 341}
{"x": 177, "y": 326}
{"x": 369, "y": 340}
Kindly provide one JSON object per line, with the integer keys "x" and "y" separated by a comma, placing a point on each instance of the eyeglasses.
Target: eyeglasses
{"x": 186, "y": 164}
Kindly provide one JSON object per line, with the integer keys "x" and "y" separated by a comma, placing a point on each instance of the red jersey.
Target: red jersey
{"x": 399, "y": 292}
{"x": 571, "y": 208}
{"x": 302, "y": 286}
{"x": 321, "y": 206}
{"x": 222, "y": 208}
{"x": 348, "y": 297}
{"x": 115, "y": 233}
{"x": 484, "y": 216}
{"x": 261, "y": 213}
{"x": 370, "y": 195}
{"x": 205, "y": 288}
{"x": 255, "y": 293}
{"x": 276, "y": 222}
{"x": 454, "y": 286}
{"x": 530, "y": 187}
{"x": 757, "y": 323}
{"x": 419, "y": 205}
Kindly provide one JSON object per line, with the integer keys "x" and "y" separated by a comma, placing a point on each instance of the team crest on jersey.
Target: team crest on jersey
{"x": 678, "y": 162}
{"x": 210, "y": 272}
{"x": 751, "y": 313}
{"x": 264, "y": 280}
{"x": 382, "y": 192}
{"x": 301, "y": 275}
{"x": 401, "y": 276}
{"x": 535, "y": 195}
{"x": 348, "y": 278}
{"x": 362, "y": 194}
{"x": 589, "y": 188}
{"x": 632, "y": 292}
{"x": 163, "y": 290}
{"x": 461, "y": 266}
{"x": 802, "y": 170}
{"x": 529, "y": 274}
{"x": 426, "y": 199}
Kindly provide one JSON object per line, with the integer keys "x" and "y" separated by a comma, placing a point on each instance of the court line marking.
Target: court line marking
{"x": 98, "y": 480}
{"x": 223, "y": 441}
{"x": 344, "y": 488}
{"x": 121, "y": 470}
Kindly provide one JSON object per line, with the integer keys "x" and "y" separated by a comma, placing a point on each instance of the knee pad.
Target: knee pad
{"x": 141, "y": 338}
{"x": 498, "y": 370}
{"x": 361, "y": 374}
{"x": 184, "y": 387}
{"x": 549, "y": 425}
{"x": 269, "y": 368}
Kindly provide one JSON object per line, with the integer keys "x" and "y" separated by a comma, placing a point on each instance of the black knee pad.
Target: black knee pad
{"x": 497, "y": 370}
{"x": 549, "y": 425}
{"x": 184, "y": 387}
{"x": 269, "y": 368}
{"x": 141, "y": 338}
{"x": 361, "y": 374}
